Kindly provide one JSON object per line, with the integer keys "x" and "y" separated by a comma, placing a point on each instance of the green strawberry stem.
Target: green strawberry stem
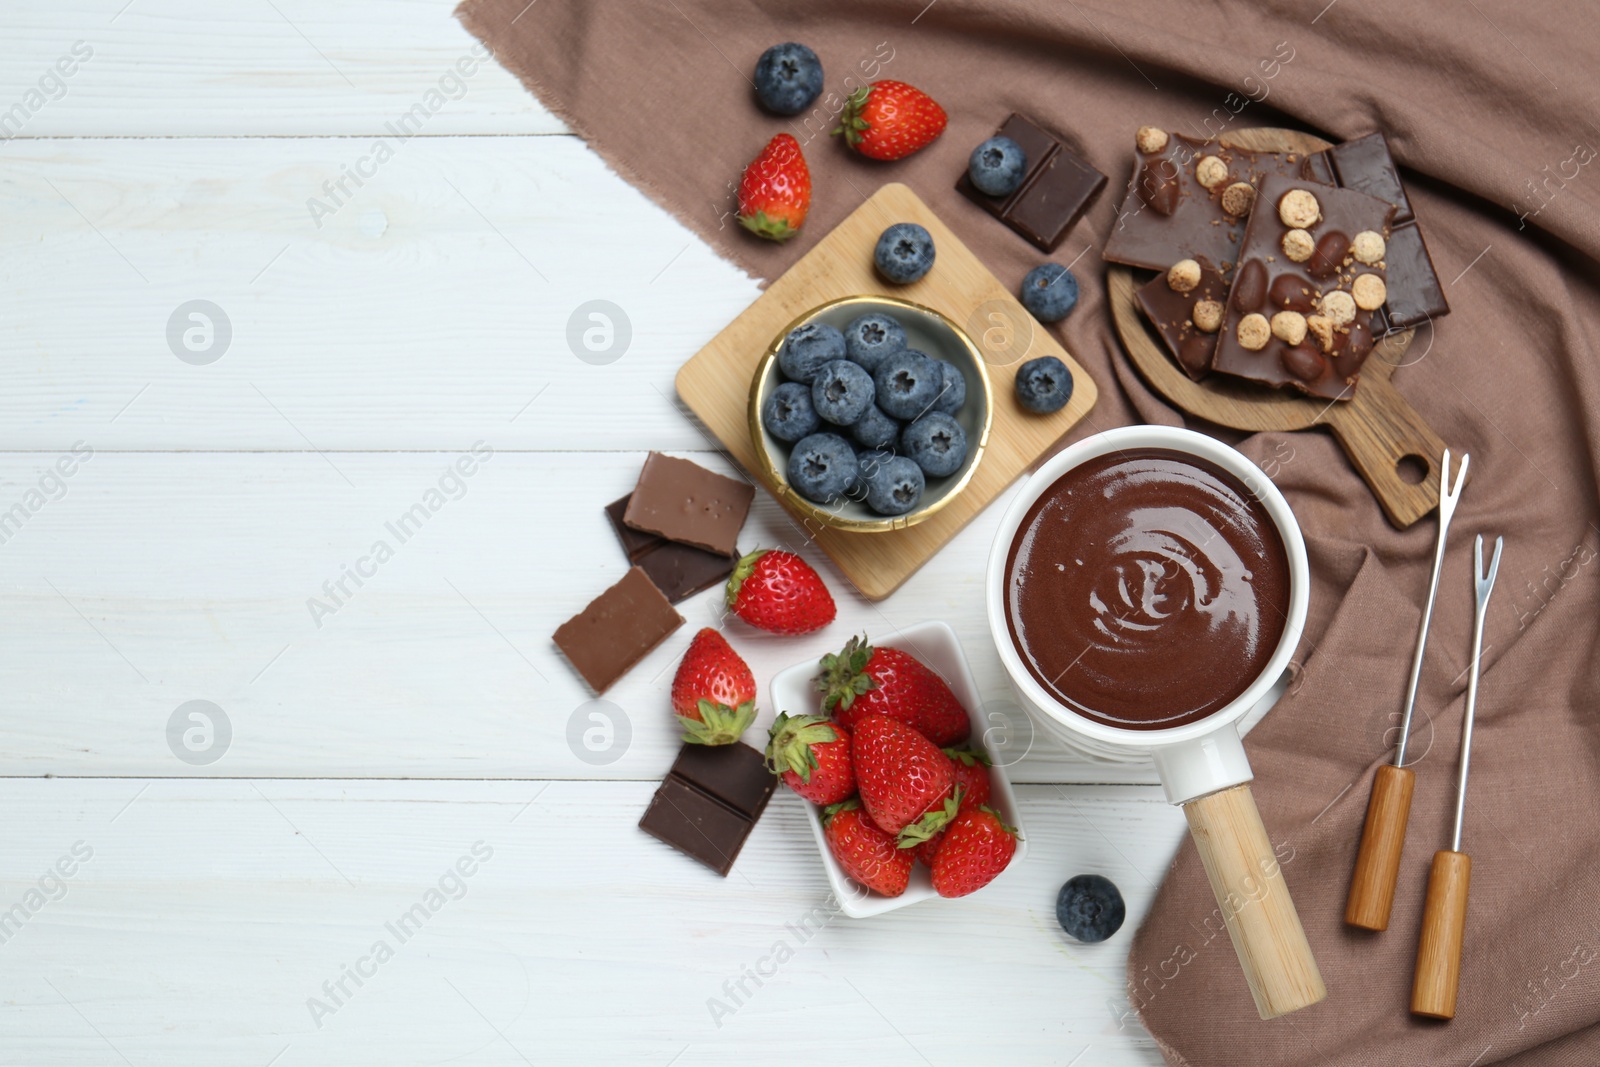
{"x": 968, "y": 757}
{"x": 770, "y": 227}
{"x": 851, "y": 124}
{"x": 742, "y": 570}
{"x": 718, "y": 724}
{"x": 791, "y": 738}
{"x": 1012, "y": 830}
{"x": 931, "y": 822}
{"x": 843, "y": 676}
{"x": 844, "y": 805}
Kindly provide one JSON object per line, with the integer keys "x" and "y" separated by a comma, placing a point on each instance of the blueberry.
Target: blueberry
{"x": 997, "y": 166}
{"x": 788, "y": 78}
{"x": 936, "y": 443}
{"x": 1050, "y": 292}
{"x": 952, "y": 388}
{"x": 1044, "y": 385}
{"x": 822, "y": 467}
{"x": 872, "y": 338}
{"x": 907, "y": 384}
{"x": 807, "y": 348}
{"x": 904, "y": 253}
{"x": 874, "y": 429}
{"x": 894, "y": 485}
{"x": 788, "y": 414}
{"x": 1090, "y": 908}
{"x": 841, "y": 392}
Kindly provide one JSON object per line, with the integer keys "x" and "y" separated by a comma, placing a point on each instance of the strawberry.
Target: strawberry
{"x": 779, "y": 592}
{"x": 977, "y": 847}
{"x": 866, "y": 853}
{"x": 713, "y": 692}
{"x": 900, "y": 774}
{"x": 890, "y": 120}
{"x": 862, "y": 680}
{"x": 775, "y": 192}
{"x": 813, "y": 757}
{"x": 928, "y": 851}
{"x": 972, "y": 776}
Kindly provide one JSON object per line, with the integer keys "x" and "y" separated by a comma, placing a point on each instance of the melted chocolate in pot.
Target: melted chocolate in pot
{"x": 1147, "y": 589}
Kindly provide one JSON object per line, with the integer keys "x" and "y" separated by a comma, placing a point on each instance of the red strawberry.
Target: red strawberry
{"x": 972, "y": 776}
{"x": 977, "y": 847}
{"x": 778, "y": 592}
{"x": 928, "y": 850}
{"x": 713, "y": 692}
{"x": 862, "y": 680}
{"x": 890, "y": 120}
{"x": 900, "y": 774}
{"x": 775, "y": 192}
{"x": 813, "y": 756}
{"x": 866, "y": 853}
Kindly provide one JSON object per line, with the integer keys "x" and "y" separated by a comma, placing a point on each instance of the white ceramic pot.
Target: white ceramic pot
{"x": 1202, "y": 764}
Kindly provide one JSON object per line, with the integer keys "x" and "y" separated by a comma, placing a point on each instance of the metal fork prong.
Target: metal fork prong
{"x": 1485, "y": 581}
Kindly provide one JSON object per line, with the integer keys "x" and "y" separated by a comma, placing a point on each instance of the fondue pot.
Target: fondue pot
{"x": 1202, "y": 763}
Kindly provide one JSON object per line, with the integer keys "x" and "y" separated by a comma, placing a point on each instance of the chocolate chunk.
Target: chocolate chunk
{"x": 1167, "y": 215}
{"x": 617, "y": 630}
{"x": 735, "y": 774}
{"x": 710, "y": 801}
{"x": 679, "y": 571}
{"x": 1415, "y": 295}
{"x": 1364, "y": 164}
{"x": 683, "y": 501}
{"x": 1058, "y": 187}
{"x": 1334, "y": 329}
{"x": 1331, "y": 249}
{"x": 1172, "y": 314}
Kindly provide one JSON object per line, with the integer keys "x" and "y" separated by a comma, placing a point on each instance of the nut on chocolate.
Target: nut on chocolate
{"x": 1207, "y": 316}
{"x": 1210, "y": 171}
{"x": 1183, "y": 275}
{"x": 1369, "y": 292}
{"x": 1321, "y": 327}
{"x": 1368, "y": 247}
{"x": 1238, "y": 199}
{"x": 1289, "y": 327}
{"x": 1298, "y": 209}
{"x": 1298, "y": 245}
{"x": 1254, "y": 331}
{"x": 1339, "y": 306}
{"x": 1150, "y": 139}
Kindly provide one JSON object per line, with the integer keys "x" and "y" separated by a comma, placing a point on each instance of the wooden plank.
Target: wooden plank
{"x": 175, "y": 68}
{"x": 716, "y": 382}
{"x": 209, "y": 913}
{"x": 161, "y": 578}
{"x": 429, "y": 310}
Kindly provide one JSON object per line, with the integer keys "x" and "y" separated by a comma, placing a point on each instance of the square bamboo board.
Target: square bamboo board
{"x": 715, "y": 382}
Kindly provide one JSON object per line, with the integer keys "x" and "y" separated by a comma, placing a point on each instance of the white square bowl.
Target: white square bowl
{"x": 935, "y": 644}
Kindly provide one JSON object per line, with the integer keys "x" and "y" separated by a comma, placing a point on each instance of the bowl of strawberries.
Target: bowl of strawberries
{"x": 886, "y": 741}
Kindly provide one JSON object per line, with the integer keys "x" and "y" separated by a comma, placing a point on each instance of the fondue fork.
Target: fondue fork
{"x": 1383, "y": 836}
{"x": 1444, "y": 915}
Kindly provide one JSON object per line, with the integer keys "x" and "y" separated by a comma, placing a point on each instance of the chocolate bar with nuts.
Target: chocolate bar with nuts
{"x": 1189, "y": 199}
{"x": 1186, "y": 305}
{"x": 1309, "y": 281}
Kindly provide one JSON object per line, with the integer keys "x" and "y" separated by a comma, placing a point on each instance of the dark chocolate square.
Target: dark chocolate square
{"x": 1366, "y": 166}
{"x": 1415, "y": 295}
{"x": 635, "y": 543}
{"x": 735, "y": 774}
{"x": 678, "y": 570}
{"x": 617, "y": 630}
{"x": 696, "y": 824}
{"x": 1057, "y": 189}
{"x": 683, "y": 501}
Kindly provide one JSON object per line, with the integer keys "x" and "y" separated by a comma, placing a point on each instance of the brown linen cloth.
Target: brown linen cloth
{"x": 1491, "y": 107}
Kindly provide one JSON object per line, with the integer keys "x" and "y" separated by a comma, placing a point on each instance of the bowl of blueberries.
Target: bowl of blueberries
{"x": 870, "y": 413}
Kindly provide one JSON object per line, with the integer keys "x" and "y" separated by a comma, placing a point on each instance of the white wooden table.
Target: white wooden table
{"x": 224, "y": 468}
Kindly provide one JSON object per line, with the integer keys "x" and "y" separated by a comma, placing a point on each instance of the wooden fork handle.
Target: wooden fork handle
{"x": 1383, "y": 838}
{"x": 1444, "y": 921}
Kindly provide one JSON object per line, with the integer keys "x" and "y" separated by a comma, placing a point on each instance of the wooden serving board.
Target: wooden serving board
{"x": 715, "y": 383}
{"x": 1392, "y": 447}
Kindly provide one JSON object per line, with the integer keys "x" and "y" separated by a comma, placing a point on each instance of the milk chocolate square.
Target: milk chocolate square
{"x": 1311, "y": 287}
{"x": 684, "y": 502}
{"x": 617, "y": 630}
{"x": 1057, "y": 189}
{"x": 1167, "y": 215}
{"x": 678, "y": 570}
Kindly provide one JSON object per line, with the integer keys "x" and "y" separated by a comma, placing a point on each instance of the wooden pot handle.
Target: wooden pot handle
{"x": 1250, "y": 890}
{"x": 1383, "y": 838}
{"x": 1379, "y": 428}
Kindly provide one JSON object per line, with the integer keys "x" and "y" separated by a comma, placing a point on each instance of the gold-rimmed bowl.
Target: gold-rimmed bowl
{"x": 928, "y": 331}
